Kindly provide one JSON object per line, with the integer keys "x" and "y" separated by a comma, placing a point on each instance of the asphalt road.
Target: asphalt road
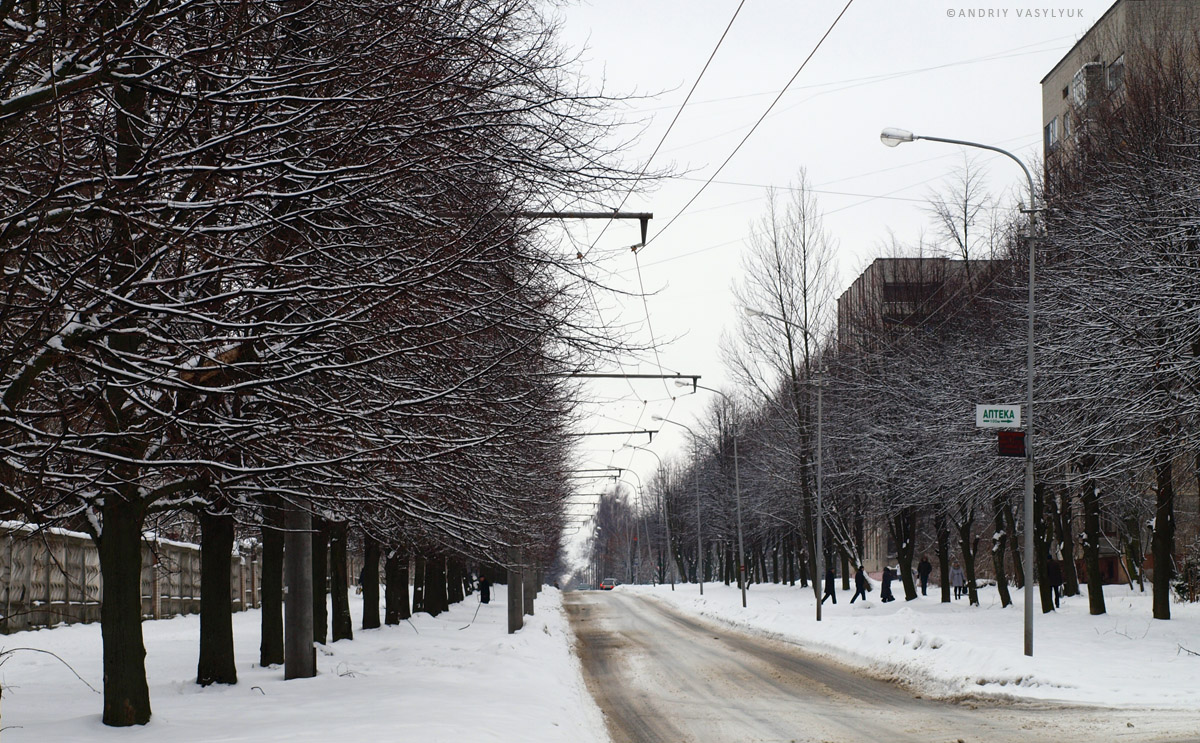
{"x": 664, "y": 677}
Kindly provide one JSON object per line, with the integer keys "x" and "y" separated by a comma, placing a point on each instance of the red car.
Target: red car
{"x": 608, "y": 584}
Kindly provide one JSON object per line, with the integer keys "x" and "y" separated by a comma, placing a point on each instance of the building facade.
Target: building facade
{"x": 1094, "y": 68}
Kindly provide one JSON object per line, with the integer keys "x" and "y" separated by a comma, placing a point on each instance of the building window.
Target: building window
{"x": 1052, "y": 134}
{"x": 1116, "y": 73}
{"x": 1079, "y": 87}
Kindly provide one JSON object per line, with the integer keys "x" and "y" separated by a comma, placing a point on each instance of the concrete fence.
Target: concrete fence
{"x": 52, "y": 576}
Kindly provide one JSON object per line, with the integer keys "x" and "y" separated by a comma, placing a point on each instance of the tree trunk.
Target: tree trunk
{"x": 1014, "y": 545}
{"x": 454, "y": 580}
{"x": 514, "y": 584}
{"x": 968, "y": 546}
{"x": 1162, "y": 545}
{"x": 999, "y": 539}
{"x": 339, "y": 584}
{"x": 126, "y": 695}
{"x": 370, "y": 583}
{"x": 418, "y": 582}
{"x": 529, "y": 590}
{"x": 846, "y": 571}
{"x": 395, "y": 575}
{"x": 1066, "y": 540}
{"x": 904, "y": 532}
{"x": 943, "y": 554}
{"x": 299, "y": 657}
{"x": 1041, "y": 548}
{"x": 435, "y": 585}
{"x": 216, "y": 664}
{"x": 270, "y": 648}
{"x": 320, "y": 578}
{"x": 1090, "y": 500}
{"x": 1134, "y": 553}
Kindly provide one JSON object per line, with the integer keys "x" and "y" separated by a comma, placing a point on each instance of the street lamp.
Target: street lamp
{"x": 670, "y": 570}
{"x": 737, "y": 486}
{"x": 819, "y": 557}
{"x": 696, "y": 477}
{"x": 640, "y": 488}
{"x": 892, "y": 137}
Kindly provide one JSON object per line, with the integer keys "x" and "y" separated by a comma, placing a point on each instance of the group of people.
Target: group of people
{"x": 958, "y": 581}
{"x": 861, "y": 585}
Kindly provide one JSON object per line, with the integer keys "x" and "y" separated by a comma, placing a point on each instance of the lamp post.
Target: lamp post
{"x": 640, "y": 488}
{"x": 666, "y": 516}
{"x": 696, "y": 477}
{"x": 737, "y": 487}
{"x": 820, "y": 546}
{"x": 892, "y": 137}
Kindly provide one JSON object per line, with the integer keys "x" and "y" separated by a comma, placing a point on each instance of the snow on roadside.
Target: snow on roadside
{"x": 446, "y": 679}
{"x": 1121, "y": 659}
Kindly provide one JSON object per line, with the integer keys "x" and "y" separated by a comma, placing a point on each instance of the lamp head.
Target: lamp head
{"x": 893, "y": 136}
{"x": 681, "y": 383}
{"x": 751, "y": 312}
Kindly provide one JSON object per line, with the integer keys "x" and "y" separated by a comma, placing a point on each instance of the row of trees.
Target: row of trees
{"x": 922, "y": 339}
{"x": 266, "y": 258}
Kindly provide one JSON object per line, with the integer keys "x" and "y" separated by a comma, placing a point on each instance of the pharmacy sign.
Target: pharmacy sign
{"x": 997, "y": 416}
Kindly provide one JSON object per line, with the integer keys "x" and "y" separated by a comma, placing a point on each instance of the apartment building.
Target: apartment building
{"x": 894, "y": 295}
{"x": 1094, "y": 69}
{"x": 1093, "y": 72}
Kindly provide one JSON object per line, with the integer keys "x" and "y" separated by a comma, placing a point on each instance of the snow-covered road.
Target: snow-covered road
{"x": 661, "y": 675}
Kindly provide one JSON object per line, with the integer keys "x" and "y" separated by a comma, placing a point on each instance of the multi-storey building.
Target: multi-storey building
{"x": 892, "y": 297}
{"x": 1091, "y": 74}
{"x": 1095, "y": 66}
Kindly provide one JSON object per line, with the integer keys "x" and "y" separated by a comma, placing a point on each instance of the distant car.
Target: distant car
{"x": 608, "y": 584}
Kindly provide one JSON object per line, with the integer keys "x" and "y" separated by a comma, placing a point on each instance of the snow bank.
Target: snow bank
{"x": 1121, "y": 659}
{"x": 456, "y": 677}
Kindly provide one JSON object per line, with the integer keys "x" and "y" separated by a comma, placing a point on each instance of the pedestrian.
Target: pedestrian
{"x": 958, "y": 580}
{"x": 830, "y": 585}
{"x": 485, "y": 589}
{"x": 362, "y": 577}
{"x": 861, "y": 586}
{"x": 885, "y": 589}
{"x": 1054, "y": 573}
{"x": 924, "y": 570}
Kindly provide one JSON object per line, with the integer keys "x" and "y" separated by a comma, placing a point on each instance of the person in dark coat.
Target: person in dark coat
{"x": 485, "y": 589}
{"x": 830, "y": 586}
{"x": 1054, "y": 573}
{"x": 861, "y": 586}
{"x": 885, "y": 589}
{"x": 924, "y": 570}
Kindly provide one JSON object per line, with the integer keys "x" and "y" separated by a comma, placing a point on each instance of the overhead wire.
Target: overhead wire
{"x": 754, "y": 128}
{"x": 675, "y": 118}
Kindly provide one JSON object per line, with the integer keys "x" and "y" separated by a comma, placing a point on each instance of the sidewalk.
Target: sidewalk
{"x": 1122, "y": 659}
{"x": 456, "y": 678}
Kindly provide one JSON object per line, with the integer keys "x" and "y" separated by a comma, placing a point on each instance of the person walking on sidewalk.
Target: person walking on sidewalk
{"x": 830, "y": 581}
{"x": 924, "y": 570}
{"x": 885, "y": 589}
{"x": 861, "y": 586}
{"x": 958, "y": 580}
{"x": 1054, "y": 574}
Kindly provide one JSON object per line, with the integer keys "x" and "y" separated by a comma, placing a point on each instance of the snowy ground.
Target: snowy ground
{"x": 448, "y": 679}
{"x": 1121, "y": 659}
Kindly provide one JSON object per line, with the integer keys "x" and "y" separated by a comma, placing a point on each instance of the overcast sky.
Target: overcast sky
{"x": 923, "y": 65}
